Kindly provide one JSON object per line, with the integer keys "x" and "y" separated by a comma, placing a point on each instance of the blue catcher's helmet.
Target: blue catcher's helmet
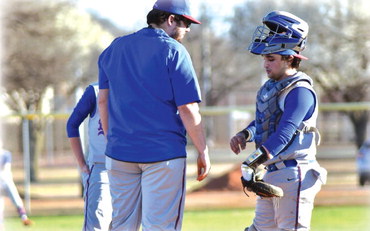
{"x": 281, "y": 31}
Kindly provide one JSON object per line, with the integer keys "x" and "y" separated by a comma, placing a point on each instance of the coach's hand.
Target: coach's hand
{"x": 204, "y": 165}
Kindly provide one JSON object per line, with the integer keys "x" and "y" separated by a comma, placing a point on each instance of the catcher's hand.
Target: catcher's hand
{"x": 261, "y": 188}
{"x": 238, "y": 143}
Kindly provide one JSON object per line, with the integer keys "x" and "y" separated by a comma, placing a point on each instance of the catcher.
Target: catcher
{"x": 284, "y": 130}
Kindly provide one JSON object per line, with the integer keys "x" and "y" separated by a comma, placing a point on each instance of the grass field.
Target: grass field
{"x": 353, "y": 218}
{"x": 62, "y": 181}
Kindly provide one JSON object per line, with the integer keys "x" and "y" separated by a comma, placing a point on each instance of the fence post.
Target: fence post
{"x": 49, "y": 140}
{"x": 26, "y": 163}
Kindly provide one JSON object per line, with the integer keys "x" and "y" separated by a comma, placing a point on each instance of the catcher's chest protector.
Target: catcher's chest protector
{"x": 268, "y": 112}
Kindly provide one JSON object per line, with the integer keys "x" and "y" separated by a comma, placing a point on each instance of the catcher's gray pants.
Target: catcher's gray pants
{"x": 151, "y": 194}
{"x": 98, "y": 205}
{"x": 292, "y": 211}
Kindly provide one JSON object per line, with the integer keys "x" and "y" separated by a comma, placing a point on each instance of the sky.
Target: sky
{"x": 131, "y": 15}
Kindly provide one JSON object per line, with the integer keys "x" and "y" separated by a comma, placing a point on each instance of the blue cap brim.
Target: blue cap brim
{"x": 290, "y": 52}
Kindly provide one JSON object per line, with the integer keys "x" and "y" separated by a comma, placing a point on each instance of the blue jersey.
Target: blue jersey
{"x": 86, "y": 106}
{"x": 148, "y": 75}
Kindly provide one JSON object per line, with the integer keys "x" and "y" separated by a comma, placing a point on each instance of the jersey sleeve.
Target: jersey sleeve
{"x": 103, "y": 79}
{"x": 183, "y": 77}
{"x": 85, "y": 106}
{"x": 104, "y": 57}
{"x": 251, "y": 128}
{"x": 299, "y": 106}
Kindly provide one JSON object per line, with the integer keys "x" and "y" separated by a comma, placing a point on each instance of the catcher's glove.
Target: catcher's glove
{"x": 261, "y": 188}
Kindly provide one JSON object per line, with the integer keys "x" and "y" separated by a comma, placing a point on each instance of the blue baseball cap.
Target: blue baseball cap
{"x": 291, "y": 52}
{"x": 179, "y": 7}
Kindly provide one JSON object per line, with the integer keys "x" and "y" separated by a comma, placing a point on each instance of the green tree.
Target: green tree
{"x": 339, "y": 37}
{"x": 47, "y": 45}
{"x": 220, "y": 61}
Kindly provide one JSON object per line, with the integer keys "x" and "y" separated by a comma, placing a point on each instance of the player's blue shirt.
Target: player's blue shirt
{"x": 148, "y": 75}
{"x": 85, "y": 106}
{"x": 299, "y": 106}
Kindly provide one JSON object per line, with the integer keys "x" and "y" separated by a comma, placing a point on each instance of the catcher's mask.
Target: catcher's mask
{"x": 281, "y": 31}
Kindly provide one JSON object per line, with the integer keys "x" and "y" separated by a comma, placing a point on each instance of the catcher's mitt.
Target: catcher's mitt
{"x": 261, "y": 188}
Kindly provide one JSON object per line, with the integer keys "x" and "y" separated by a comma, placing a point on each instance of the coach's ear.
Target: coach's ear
{"x": 171, "y": 20}
{"x": 290, "y": 59}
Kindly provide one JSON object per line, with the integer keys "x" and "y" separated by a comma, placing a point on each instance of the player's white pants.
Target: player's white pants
{"x": 98, "y": 205}
{"x": 293, "y": 211}
{"x": 150, "y": 194}
{"x": 8, "y": 188}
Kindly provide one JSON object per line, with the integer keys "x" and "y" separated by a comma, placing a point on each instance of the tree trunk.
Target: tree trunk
{"x": 359, "y": 119}
{"x": 33, "y": 152}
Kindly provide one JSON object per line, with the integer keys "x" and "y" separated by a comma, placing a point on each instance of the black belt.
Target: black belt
{"x": 287, "y": 163}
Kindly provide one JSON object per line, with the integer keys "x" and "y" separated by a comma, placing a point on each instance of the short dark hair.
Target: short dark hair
{"x": 158, "y": 17}
{"x": 295, "y": 63}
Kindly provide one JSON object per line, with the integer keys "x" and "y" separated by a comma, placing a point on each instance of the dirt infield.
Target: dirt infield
{"x": 225, "y": 191}
{"x": 222, "y": 189}
{"x": 212, "y": 199}
{"x": 328, "y": 196}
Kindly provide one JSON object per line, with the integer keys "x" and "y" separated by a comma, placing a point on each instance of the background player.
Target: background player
{"x": 284, "y": 129}
{"x": 148, "y": 100}
{"x": 8, "y": 188}
{"x": 98, "y": 207}
{"x": 363, "y": 163}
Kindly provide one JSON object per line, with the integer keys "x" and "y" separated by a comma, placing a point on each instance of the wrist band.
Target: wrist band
{"x": 245, "y": 133}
